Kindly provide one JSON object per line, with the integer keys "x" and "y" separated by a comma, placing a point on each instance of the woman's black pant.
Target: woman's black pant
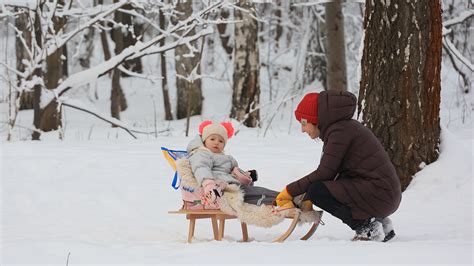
{"x": 320, "y": 196}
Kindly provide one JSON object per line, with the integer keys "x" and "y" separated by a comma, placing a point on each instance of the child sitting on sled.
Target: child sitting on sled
{"x": 214, "y": 170}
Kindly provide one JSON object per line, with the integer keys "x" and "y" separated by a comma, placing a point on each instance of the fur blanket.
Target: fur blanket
{"x": 232, "y": 203}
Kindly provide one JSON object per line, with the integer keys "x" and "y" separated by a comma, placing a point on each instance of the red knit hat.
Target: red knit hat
{"x": 308, "y": 108}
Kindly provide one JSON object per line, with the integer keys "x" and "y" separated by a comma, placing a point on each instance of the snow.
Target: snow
{"x": 31, "y": 4}
{"x": 102, "y": 197}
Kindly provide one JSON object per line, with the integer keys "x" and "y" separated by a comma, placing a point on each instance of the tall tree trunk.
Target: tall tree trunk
{"x": 116, "y": 96}
{"x": 103, "y": 37}
{"x": 189, "y": 92}
{"x": 246, "y": 88}
{"x": 55, "y": 71}
{"x": 38, "y": 72}
{"x": 87, "y": 48}
{"x": 315, "y": 60}
{"x": 278, "y": 22}
{"x": 118, "y": 101}
{"x": 164, "y": 81}
{"x": 223, "y": 35}
{"x": 400, "y": 84}
{"x": 23, "y": 25}
{"x": 127, "y": 37}
{"x": 336, "y": 47}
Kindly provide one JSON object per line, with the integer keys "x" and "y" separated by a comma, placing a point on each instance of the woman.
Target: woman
{"x": 355, "y": 180}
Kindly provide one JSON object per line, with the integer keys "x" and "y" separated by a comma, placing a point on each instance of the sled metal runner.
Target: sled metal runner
{"x": 218, "y": 218}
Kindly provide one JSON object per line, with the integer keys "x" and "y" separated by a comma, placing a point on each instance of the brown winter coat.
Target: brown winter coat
{"x": 354, "y": 165}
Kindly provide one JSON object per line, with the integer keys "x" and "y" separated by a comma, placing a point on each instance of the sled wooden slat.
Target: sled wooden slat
{"x": 290, "y": 230}
{"x": 218, "y": 224}
{"x": 215, "y": 216}
{"x": 311, "y": 231}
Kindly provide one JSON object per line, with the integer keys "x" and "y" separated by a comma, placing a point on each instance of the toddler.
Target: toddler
{"x": 213, "y": 169}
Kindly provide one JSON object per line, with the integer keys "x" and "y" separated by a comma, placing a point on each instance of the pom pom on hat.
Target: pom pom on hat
{"x": 308, "y": 108}
{"x": 224, "y": 129}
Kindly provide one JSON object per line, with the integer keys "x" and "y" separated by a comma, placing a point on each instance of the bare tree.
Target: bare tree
{"x": 23, "y": 43}
{"x": 103, "y": 37}
{"x": 224, "y": 35}
{"x": 315, "y": 60}
{"x": 246, "y": 88}
{"x": 400, "y": 85}
{"x": 56, "y": 70}
{"x": 38, "y": 74}
{"x": 188, "y": 66}
{"x": 336, "y": 47}
{"x": 126, "y": 29}
{"x": 164, "y": 81}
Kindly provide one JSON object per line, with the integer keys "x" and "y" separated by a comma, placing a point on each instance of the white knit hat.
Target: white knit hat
{"x": 224, "y": 129}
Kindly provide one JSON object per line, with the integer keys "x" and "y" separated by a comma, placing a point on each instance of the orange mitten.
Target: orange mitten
{"x": 284, "y": 199}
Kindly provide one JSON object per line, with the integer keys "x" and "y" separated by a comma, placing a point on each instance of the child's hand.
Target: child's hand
{"x": 243, "y": 177}
{"x": 212, "y": 190}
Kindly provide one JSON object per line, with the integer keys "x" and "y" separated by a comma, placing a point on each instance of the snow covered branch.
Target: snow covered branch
{"x": 460, "y": 19}
{"x": 58, "y": 44}
{"x": 450, "y": 48}
{"x": 30, "y": 4}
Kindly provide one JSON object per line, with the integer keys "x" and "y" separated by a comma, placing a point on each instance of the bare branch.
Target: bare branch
{"x": 449, "y": 46}
{"x": 108, "y": 119}
{"x": 465, "y": 15}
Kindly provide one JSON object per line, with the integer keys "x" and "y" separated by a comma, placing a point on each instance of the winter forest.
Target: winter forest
{"x": 91, "y": 89}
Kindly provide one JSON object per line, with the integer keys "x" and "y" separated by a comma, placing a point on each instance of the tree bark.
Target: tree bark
{"x": 126, "y": 37}
{"x": 38, "y": 72}
{"x": 164, "y": 81}
{"x": 278, "y": 27}
{"x": 223, "y": 35}
{"x": 56, "y": 70}
{"x": 189, "y": 91}
{"x": 400, "y": 85}
{"x": 246, "y": 88}
{"x": 336, "y": 47}
{"x": 23, "y": 25}
{"x": 103, "y": 37}
{"x": 315, "y": 60}
{"x": 118, "y": 101}
{"x": 87, "y": 48}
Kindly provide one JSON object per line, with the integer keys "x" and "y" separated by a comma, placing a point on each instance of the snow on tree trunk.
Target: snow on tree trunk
{"x": 278, "y": 22}
{"x": 187, "y": 66}
{"x": 129, "y": 29}
{"x": 118, "y": 101}
{"x": 103, "y": 37}
{"x": 37, "y": 74}
{"x": 22, "y": 24}
{"x": 400, "y": 85}
{"x": 315, "y": 59}
{"x": 336, "y": 47}
{"x": 246, "y": 88}
{"x": 86, "y": 48}
{"x": 223, "y": 32}
{"x": 56, "y": 66}
{"x": 164, "y": 81}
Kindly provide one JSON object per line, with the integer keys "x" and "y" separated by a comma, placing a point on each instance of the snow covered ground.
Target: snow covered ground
{"x": 106, "y": 202}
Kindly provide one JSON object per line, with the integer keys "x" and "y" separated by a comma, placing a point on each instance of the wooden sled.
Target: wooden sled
{"x": 218, "y": 224}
